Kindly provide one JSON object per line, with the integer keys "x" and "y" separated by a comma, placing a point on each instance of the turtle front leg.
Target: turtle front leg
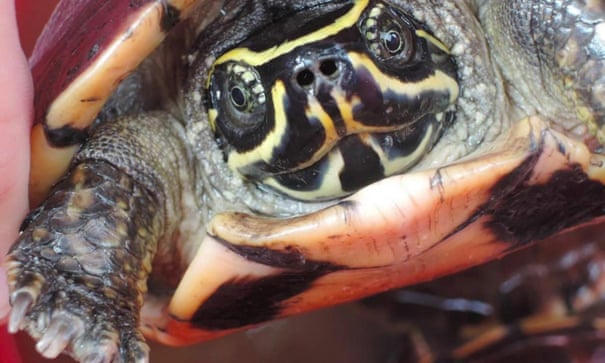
{"x": 78, "y": 272}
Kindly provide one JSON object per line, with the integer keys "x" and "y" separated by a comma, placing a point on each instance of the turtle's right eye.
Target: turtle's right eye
{"x": 237, "y": 98}
{"x": 389, "y": 36}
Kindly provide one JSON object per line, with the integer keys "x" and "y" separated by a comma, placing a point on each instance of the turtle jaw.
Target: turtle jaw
{"x": 529, "y": 185}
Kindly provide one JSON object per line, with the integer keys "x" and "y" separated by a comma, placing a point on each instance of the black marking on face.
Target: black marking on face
{"x": 301, "y": 139}
{"x": 251, "y": 300}
{"x": 65, "y": 136}
{"x": 170, "y": 17}
{"x": 330, "y": 106}
{"x": 362, "y": 166}
{"x": 405, "y": 142}
{"x": 288, "y": 27}
{"x": 307, "y": 179}
{"x": 326, "y": 78}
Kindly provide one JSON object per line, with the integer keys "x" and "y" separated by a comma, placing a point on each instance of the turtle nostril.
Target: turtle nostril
{"x": 328, "y": 67}
{"x": 305, "y": 78}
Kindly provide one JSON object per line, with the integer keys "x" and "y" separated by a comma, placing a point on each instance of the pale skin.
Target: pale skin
{"x": 15, "y": 121}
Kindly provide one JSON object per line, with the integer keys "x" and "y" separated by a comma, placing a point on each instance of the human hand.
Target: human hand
{"x": 15, "y": 122}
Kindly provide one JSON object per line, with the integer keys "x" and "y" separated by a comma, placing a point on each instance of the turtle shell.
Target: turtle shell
{"x": 532, "y": 182}
{"x": 99, "y": 44}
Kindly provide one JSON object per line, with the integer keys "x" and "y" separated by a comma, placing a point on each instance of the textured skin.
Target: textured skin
{"x": 552, "y": 54}
{"x": 143, "y": 188}
{"x": 94, "y": 240}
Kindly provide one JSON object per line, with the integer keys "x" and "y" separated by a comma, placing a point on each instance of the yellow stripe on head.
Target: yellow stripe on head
{"x": 431, "y": 39}
{"x": 439, "y": 81}
{"x": 330, "y": 102}
{"x": 264, "y": 151}
{"x": 315, "y": 110}
{"x": 258, "y": 58}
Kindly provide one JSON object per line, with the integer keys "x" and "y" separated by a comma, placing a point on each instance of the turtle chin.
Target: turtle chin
{"x": 359, "y": 160}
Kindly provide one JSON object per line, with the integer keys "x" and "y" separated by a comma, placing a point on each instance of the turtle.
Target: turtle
{"x": 203, "y": 167}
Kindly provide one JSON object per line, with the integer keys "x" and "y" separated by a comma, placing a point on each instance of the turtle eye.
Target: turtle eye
{"x": 389, "y": 35}
{"x": 392, "y": 41}
{"x": 237, "y": 98}
{"x": 244, "y": 88}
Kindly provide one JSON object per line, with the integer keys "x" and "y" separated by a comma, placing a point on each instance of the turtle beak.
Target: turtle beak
{"x": 531, "y": 184}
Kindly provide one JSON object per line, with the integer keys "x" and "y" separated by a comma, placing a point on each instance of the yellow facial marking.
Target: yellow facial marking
{"x": 439, "y": 81}
{"x": 265, "y": 150}
{"x": 315, "y": 110}
{"x": 395, "y": 165}
{"x": 212, "y": 115}
{"x": 257, "y": 58}
{"x": 346, "y": 110}
{"x": 431, "y": 39}
{"x": 330, "y": 183}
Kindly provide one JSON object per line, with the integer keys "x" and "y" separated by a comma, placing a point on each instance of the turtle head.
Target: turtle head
{"x": 319, "y": 110}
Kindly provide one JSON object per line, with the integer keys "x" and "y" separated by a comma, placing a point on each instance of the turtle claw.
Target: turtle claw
{"x": 138, "y": 352}
{"x": 71, "y": 290}
{"x": 97, "y": 358}
{"x": 66, "y": 318}
{"x": 22, "y": 302}
{"x": 60, "y": 333}
{"x": 79, "y": 325}
{"x": 142, "y": 353}
{"x": 104, "y": 354}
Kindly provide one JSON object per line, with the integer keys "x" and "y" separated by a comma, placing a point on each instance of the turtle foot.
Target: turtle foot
{"x": 82, "y": 323}
{"x": 77, "y": 273}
